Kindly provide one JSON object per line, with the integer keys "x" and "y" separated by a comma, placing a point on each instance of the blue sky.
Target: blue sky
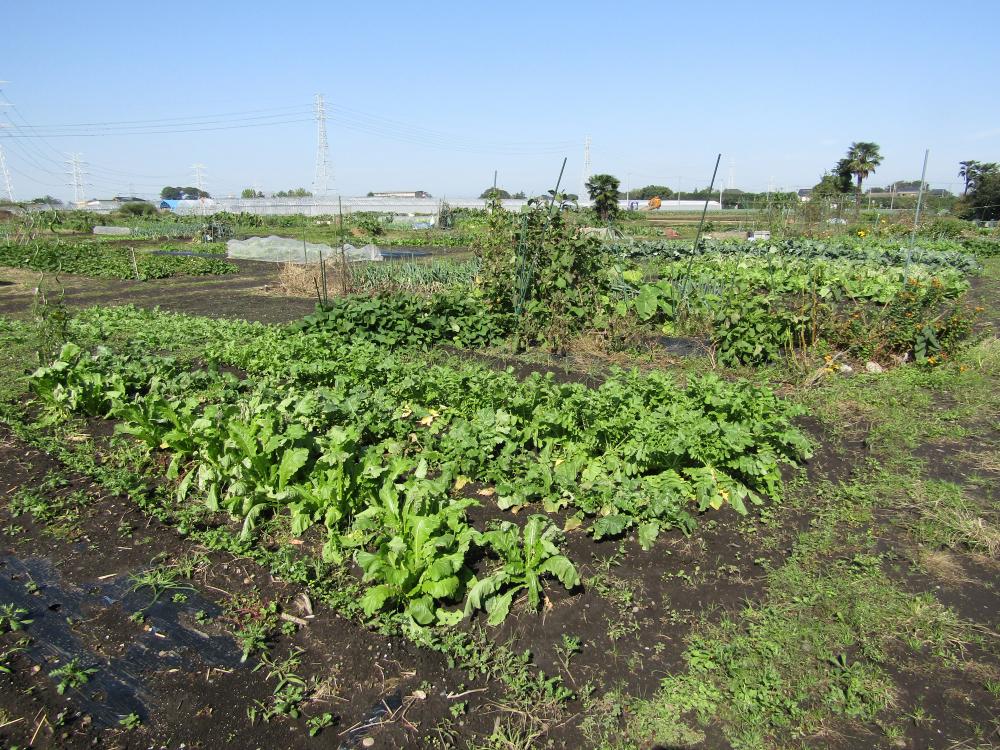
{"x": 435, "y": 96}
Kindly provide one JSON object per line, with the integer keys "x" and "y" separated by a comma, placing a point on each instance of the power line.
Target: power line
{"x": 347, "y": 118}
{"x": 188, "y": 118}
{"x": 28, "y": 149}
{"x": 162, "y": 131}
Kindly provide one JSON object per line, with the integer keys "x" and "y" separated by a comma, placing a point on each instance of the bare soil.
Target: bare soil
{"x": 231, "y": 296}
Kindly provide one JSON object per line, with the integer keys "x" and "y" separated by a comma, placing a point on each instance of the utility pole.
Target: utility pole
{"x": 199, "y": 182}
{"x": 76, "y": 174}
{"x": 321, "y": 179}
{"x": 6, "y": 176}
{"x": 586, "y": 167}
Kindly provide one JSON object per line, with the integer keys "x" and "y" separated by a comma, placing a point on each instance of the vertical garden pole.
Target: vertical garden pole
{"x": 701, "y": 224}
{"x": 916, "y": 216}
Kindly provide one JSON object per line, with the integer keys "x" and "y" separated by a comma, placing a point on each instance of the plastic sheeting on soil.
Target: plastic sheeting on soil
{"x": 127, "y": 682}
{"x": 286, "y": 250}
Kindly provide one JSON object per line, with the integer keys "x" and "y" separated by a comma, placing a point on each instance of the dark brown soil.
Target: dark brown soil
{"x": 523, "y": 369}
{"x": 184, "y": 679}
{"x": 231, "y": 296}
{"x": 181, "y": 676}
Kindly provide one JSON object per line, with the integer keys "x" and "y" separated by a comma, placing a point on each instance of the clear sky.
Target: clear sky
{"x": 437, "y": 95}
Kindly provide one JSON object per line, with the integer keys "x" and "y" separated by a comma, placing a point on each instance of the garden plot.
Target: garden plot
{"x": 644, "y": 558}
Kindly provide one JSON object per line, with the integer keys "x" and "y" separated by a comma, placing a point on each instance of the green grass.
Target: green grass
{"x": 813, "y": 651}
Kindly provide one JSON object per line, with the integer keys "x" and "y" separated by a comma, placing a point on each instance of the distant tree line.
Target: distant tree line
{"x": 182, "y": 193}
{"x": 731, "y": 197}
{"x": 501, "y": 193}
{"x": 249, "y": 193}
{"x": 46, "y": 200}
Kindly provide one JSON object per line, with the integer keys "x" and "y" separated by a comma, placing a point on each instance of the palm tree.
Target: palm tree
{"x": 861, "y": 160}
{"x": 603, "y": 190}
{"x": 968, "y": 171}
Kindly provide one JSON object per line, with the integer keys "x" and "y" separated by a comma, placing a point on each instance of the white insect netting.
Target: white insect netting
{"x": 285, "y": 250}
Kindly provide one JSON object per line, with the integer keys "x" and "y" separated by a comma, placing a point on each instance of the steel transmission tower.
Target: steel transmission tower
{"x": 321, "y": 179}
{"x": 586, "y": 168}
{"x": 76, "y": 174}
{"x": 6, "y": 176}
{"x": 3, "y": 160}
{"x": 199, "y": 182}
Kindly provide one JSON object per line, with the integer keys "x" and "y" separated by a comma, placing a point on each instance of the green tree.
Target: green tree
{"x": 500, "y": 193}
{"x": 182, "y": 193}
{"x": 651, "y": 191}
{"x": 251, "y": 193}
{"x": 603, "y": 191}
{"x": 967, "y": 171}
{"x": 137, "y": 208}
{"x": 861, "y": 160}
{"x": 972, "y": 171}
{"x": 844, "y": 177}
{"x": 983, "y": 200}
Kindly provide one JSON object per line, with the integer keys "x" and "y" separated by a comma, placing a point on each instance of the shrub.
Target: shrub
{"x": 137, "y": 208}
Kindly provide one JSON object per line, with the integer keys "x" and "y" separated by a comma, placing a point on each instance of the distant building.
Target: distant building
{"x": 805, "y": 194}
{"x": 101, "y": 205}
{"x": 401, "y": 194}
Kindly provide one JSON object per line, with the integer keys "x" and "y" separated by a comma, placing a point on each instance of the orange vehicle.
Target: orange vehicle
{"x": 654, "y": 203}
